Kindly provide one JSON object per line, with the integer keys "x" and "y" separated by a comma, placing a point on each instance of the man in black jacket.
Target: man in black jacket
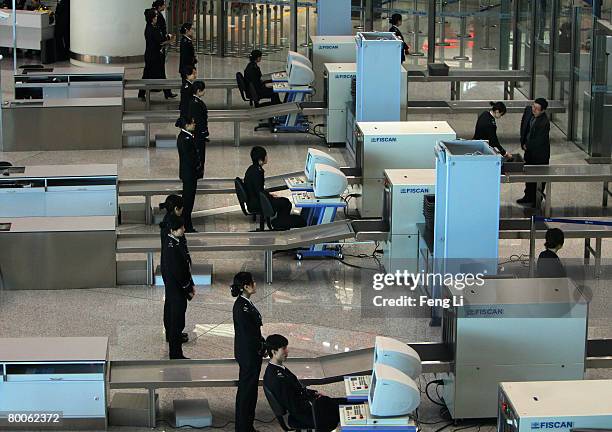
{"x": 535, "y": 141}
{"x": 297, "y": 399}
{"x": 187, "y": 51}
{"x": 189, "y": 166}
{"x": 176, "y": 273}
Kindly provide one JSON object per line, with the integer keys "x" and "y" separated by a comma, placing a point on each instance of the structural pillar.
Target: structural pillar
{"x": 99, "y": 35}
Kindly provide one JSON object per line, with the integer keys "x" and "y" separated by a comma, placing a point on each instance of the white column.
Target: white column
{"x": 107, "y": 32}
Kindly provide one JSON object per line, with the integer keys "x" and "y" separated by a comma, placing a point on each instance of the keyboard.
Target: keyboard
{"x": 354, "y": 415}
{"x": 279, "y": 76}
{"x": 297, "y": 180}
{"x": 359, "y": 384}
{"x": 303, "y": 196}
{"x": 280, "y": 86}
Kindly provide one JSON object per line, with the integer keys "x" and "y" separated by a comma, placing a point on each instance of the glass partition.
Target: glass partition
{"x": 581, "y": 75}
{"x": 562, "y": 57}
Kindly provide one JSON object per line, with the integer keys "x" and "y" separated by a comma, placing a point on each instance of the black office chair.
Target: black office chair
{"x": 242, "y": 87}
{"x": 282, "y": 416}
{"x": 241, "y": 194}
{"x": 267, "y": 212}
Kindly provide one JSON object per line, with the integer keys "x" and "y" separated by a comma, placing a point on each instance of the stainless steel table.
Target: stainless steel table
{"x": 561, "y": 174}
{"x": 58, "y": 252}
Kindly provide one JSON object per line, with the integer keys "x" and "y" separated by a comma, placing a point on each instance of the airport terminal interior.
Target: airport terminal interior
{"x": 83, "y": 268}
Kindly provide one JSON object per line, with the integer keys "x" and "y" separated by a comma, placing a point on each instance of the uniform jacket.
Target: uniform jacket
{"x": 291, "y": 394}
{"x": 536, "y": 142}
{"x": 176, "y": 267}
{"x": 188, "y": 156}
{"x": 187, "y": 54}
{"x": 252, "y": 74}
{"x": 486, "y": 129}
{"x": 186, "y": 96}
{"x": 550, "y": 266}
{"x": 254, "y": 183}
{"x": 399, "y": 34}
{"x": 248, "y": 342}
{"x": 153, "y": 41}
{"x": 199, "y": 111}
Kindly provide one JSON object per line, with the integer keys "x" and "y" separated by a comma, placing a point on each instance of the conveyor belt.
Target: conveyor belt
{"x": 143, "y": 84}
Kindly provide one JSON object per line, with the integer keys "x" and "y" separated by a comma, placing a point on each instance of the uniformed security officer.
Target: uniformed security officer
{"x": 154, "y": 66}
{"x": 160, "y": 7}
{"x": 191, "y": 73}
{"x": 248, "y": 349}
{"x": 199, "y": 112}
{"x": 293, "y": 396}
{"x": 187, "y": 51}
{"x": 189, "y": 166}
{"x": 254, "y": 184}
{"x": 396, "y": 22}
{"x": 549, "y": 265}
{"x": 176, "y": 273}
{"x": 486, "y": 127}
{"x": 252, "y": 75}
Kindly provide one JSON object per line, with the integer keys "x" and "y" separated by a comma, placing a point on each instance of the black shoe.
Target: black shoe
{"x": 171, "y": 96}
{"x": 184, "y": 338}
{"x": 524, "y": 200}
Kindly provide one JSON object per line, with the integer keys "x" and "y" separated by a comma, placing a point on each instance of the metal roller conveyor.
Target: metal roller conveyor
{"x": 235, "y": 116}
{"x": 472, "y": 106}
{"x": 264, "y": 241}
{"x": 157, "y": 374}
{"x": 148, "y": 85}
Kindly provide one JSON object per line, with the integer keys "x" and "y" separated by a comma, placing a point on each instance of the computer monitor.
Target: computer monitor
{"x": 300, "y": 74}
{"x": 293, "y": 56}
{"x": 329, "y": 182}
{"x": 392, "y": 392}
{"x": 314, "y": 157}
{"x": 397, "y": 354}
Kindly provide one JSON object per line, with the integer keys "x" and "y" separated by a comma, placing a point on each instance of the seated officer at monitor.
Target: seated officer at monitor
{"x": 297, "y": 399}
{"x": 549, "y": 264}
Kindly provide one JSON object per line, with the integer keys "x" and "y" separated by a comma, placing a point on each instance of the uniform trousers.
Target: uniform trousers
{"x": 190, "y": 186}
{"x": 246, "y": 397}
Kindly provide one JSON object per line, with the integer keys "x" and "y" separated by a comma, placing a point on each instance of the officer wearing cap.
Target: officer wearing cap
{"x": 176, "y": 273}
{"x": 248, "y": 349}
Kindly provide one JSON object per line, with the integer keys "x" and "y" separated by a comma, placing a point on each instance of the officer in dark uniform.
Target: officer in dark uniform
{"x": 396, "y": 22}
{"x": 189, "y": 166}
{"x": 191, "y": 73}
{"x": 160, "y": 7}
{"x": 549, "y": 264}
{"x": 535, "y": 141}
{"x": 154, "y": 66}
{"x": 254, "y": 183}
{"x": 297, "y": 399}
{"x": 486, "y": 127}
{"x": 187, "y": 51}
{"x": 173, "y": 206}
{"x": 252, "y": 74}
{"x": 199, "y": 112}
{"x": 248, "y": 349}
{"x": 176, "y": 272}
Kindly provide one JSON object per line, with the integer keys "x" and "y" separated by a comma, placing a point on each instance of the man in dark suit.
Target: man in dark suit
{"x": 535, "y": 141}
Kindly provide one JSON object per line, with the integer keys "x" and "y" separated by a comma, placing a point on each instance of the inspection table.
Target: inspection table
{"x": 64, "y": 376}
{"x": 57, "y": 253}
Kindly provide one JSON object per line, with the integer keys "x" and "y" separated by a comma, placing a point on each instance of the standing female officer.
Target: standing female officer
{"x": 396, "y": 22}
{"x": 176, "y": 272}
{"x": 187, "y": 51}
{"x": 154, "y": 66}
{"x": 486, "y": 127}
{"x": 248, "y": 349}
{"x": 160, "y": 7}
{"x": 188, "y": 168}
{"x": 199, "y": 111}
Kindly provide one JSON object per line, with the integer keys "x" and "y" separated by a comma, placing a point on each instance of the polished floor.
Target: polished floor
{"x": 315, "y": 303}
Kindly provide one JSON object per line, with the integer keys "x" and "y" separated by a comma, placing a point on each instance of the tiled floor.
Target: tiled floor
{"x": 315, "y": 303}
